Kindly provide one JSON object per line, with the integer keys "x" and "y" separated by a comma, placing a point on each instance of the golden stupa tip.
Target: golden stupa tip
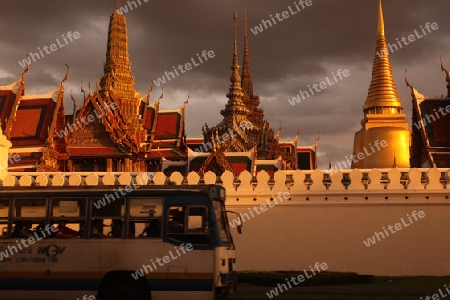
{"x": 382, "y": 91}
{"x": 380, "y": 20}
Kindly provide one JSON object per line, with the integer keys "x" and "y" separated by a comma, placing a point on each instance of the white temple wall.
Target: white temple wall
{"x": 324, "y": 220}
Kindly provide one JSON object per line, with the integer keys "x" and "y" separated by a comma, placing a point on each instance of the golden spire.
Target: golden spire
{"x": 235, "y": 106}
{"x": 246, "y": 83}
{"x": 235, "y": 79}
{"x": 117, "y": 75}
{"x": 382, "y": 91}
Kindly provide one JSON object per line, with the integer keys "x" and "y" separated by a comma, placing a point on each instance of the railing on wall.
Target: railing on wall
{"x": 295, "y": 181}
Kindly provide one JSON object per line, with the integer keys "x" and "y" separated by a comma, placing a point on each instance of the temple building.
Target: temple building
{"x": 384, "y": 139}
{"x": 430, "y": 145}
{"x": 243, "y": 140}
{"x": 117, "y": 128}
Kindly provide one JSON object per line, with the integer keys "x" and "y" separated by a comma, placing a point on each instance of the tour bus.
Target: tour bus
{"x": 152, "y": 242}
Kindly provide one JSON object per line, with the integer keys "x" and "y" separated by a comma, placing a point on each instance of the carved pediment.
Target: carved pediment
{"x": 92, "y": 135}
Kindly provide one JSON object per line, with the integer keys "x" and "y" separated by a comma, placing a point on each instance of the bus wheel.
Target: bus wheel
{"x": 121, "y": 286}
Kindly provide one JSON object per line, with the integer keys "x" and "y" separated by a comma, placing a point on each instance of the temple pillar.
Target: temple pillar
{"x": 109, "y": 165}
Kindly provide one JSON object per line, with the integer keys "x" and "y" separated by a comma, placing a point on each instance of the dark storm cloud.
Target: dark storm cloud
{"x": 297, "y": 52}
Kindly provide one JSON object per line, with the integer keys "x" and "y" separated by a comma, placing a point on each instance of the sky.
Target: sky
{"x": 310, "y": 44}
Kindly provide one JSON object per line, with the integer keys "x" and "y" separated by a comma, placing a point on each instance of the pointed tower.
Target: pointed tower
{"x": 384, "y": 138}
{"x": 235, "y": 108}
{"x": 117, "y": 77}
{"x": 252, "y": 102}
{"x": 247, "y": 84}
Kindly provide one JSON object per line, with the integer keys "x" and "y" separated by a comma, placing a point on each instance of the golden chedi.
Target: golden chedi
{"x": 384, "y": 122}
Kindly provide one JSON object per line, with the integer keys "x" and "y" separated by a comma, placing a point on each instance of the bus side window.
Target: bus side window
{"x": 107, "y": 217}
{"x": 145, "y": 217}
{"x": 189, "y": 223}
{"x": 150, "y": 228}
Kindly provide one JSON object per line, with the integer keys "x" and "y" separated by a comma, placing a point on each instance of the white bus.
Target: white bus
{"x": 153, "y": 242}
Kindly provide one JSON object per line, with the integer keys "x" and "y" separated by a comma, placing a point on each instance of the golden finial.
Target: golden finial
{"x": 447, "y": 73}
{"x": 65, "y": 77}
{"x": 162, "y": 95}
{"x": 96, "y": 85}
{"x": 380, "y": 19}
{"x": 316, "y": 143}
{"x": 406, "y": 80}
{"x": 186, "y": 102}
{"x": 147, "y": 96}
{"x": 75, "y": 105}
{"x": 84, "y": 93}
{"x": 27, "y": 68}
{"x": 89, "y": 85}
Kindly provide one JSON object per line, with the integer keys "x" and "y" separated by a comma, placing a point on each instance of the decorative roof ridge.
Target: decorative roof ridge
{"x": 59, "y": 109}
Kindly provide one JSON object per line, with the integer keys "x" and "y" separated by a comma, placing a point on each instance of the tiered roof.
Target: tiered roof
{"x": 31, "y": 123}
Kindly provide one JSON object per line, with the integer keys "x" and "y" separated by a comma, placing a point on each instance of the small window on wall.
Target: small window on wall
{"x": 189, "y": 223}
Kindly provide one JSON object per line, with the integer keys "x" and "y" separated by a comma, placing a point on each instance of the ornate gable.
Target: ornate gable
{"x": 99, "y": 129}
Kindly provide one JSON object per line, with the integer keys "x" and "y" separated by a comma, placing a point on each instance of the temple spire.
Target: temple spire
{"x": 382, "y": 91}
{"x": 117, "y": 75}
{"x": 235, "y": 106}
{"x": 246, "y": 83}
{"x": 235, "y": 78}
